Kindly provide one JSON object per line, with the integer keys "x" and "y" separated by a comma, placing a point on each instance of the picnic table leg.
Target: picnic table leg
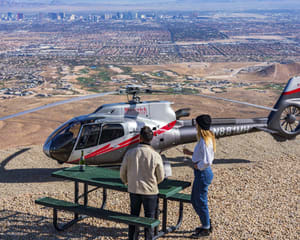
{"x": 169, "y": 229}
{"x": 104, "y": 196}
{"x": 76, "y": 197}
{"x": 66, "y": 225}
{"x": 156, "y": 217}
{"x": 179, "y": 221}
{"x": 76, "y": 218}
{"x": 165, "y": 215}
{"x": 85, "y": 194}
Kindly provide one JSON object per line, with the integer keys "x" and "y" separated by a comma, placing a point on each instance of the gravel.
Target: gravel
{"x": 254, "y": 194}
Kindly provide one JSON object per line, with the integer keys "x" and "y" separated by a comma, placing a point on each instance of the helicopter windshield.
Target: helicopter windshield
{"x": 63, "y": 141}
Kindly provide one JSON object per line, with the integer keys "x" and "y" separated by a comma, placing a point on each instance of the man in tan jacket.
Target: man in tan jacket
{"x": 142, "y": 169}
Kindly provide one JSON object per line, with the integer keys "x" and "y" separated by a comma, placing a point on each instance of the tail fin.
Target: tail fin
{"x": 285, "y": 121}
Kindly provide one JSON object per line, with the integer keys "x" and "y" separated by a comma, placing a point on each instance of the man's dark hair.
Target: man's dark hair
{"x": 147, "y": 134}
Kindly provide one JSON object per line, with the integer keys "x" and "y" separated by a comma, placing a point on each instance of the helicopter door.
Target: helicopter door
{"x": 89, "y": 136}
{"x": 111, "y": 134}
{"x": 93, "y": 137}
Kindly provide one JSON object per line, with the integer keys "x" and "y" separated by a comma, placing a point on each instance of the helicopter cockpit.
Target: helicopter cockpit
{"x": 77, "y": 135}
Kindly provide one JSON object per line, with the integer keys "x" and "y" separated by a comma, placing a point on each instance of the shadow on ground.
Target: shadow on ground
{"x": 29, "y": 226}
{"x": 187, "y": 161}
{"x": 33, "y": 175}
{"x": 26, "y": 175}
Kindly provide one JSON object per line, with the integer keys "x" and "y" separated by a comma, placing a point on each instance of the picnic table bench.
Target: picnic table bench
{"x": 181, "y": 197}
{"x": 105, "y": 178}
{"x": 93, "y": 212}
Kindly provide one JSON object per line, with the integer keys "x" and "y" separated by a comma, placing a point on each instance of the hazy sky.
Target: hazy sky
{"x": 173, "y": 4}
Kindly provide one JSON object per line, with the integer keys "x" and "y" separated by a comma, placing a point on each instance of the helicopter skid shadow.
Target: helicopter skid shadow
{"x": 26, "y": 175}
{"x": 231, "y": 161}
{"x": 187, "y": 161}
{"x": 32, "y": 226}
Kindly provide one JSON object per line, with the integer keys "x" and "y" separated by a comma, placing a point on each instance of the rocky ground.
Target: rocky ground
{"x": 254, "y": 194}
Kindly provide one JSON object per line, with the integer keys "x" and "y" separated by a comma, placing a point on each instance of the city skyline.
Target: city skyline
{"x": 125, "y": 5}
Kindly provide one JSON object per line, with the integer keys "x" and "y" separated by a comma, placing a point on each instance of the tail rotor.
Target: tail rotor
{"x": 285, "y": 121}
{"x": 289, "y": 119}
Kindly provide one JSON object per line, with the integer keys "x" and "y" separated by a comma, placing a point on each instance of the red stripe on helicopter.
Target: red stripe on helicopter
{"x": 168, "y": 127}
{"x": 291, "y": 92}
{"x": 101, "y": 149}
{"x": 98, "y": 151}
{"x": 130, "y": 140}
{"x": 116, "y": 148}
{"x": 108, "y": 148}
{"x": 126, "y": 143}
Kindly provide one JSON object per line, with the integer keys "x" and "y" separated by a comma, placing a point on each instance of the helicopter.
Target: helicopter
{"x": 106, "y": 134}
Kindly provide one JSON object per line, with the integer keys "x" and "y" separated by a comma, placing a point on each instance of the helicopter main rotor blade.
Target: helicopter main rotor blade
{"x": 57, "y": 103}
{"x": 235, "y": 101}
{"x": 228, "y": 100}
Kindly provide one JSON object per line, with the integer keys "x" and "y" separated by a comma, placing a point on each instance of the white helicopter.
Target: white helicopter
{"x": 106, "y": 134}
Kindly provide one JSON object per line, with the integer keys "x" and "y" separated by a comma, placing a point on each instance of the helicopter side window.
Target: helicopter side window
{"x": 89, "y": 136}
{"x": 111, "y": 132}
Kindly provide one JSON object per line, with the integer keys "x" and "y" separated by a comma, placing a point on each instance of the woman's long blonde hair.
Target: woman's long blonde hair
{"x": 207, "y": 135}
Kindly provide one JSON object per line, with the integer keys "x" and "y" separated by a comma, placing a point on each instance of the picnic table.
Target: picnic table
{"x": 106, "y": 178}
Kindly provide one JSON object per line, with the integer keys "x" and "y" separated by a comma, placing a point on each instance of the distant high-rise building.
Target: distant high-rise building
{"x": 52, "y": 16}
{"x": 40, "y": 16}
{"x": 120, "y": 15}
{"x": 72, "y": 17}
{"x": 128, "y": 16}
{"x": 96, "y": 18}
{"x": 62, "y": 15}
{"x": 20, "y": 16}
{"x": 107, "y": 16}
{"x": 9, "y": 16}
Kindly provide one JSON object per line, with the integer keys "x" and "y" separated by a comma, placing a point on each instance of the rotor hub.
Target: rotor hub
{"x": 290, "y": 118}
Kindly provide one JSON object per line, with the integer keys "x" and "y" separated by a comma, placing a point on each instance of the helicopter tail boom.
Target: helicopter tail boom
{"x": 283, "y": 122}
{"x": 221, "y": 127}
